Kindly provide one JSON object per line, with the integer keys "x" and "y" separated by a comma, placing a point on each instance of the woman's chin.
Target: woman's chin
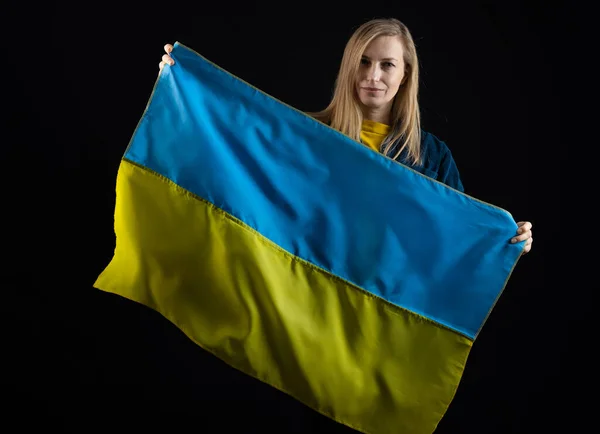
{"x": 372, "y": 103}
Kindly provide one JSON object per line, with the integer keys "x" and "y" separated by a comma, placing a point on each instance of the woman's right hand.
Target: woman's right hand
{"x": 166, "y": 59}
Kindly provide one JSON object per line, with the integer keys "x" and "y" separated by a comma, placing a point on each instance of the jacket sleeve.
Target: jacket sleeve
{"x": 448, "y": 172}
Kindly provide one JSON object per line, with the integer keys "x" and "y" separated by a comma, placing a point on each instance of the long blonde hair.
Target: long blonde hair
{"x": 343, "y": 112}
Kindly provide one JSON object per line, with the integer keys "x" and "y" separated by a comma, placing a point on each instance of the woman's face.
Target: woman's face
{"x": 381, "y": 73}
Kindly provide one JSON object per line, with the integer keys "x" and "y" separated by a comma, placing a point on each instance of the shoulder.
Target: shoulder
{"x": 433, "y": 147}
{"x": 438, "y": 160}
{"x": 434, "y": 152}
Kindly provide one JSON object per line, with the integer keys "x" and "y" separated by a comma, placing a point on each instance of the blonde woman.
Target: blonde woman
{"x": 375, "y": 102}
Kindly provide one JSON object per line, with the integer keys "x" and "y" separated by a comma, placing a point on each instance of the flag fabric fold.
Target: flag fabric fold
{"x": 300, "y": 257}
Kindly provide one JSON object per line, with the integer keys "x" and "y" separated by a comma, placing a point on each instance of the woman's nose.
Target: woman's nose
{"x": 374, "y": 73}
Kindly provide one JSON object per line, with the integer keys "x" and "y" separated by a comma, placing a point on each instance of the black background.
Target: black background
{"x": 79, "y": 359}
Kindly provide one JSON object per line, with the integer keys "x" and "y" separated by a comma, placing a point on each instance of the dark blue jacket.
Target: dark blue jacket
{"x": 437, "y": 161}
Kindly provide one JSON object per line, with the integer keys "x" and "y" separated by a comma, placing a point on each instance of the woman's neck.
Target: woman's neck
{"x": 381, "y": 115}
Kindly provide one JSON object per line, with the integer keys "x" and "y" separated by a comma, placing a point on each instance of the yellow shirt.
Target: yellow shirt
{"x": 373, "y": 133}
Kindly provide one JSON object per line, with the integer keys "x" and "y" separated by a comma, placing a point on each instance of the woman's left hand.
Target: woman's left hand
{"x": 524, "y": 233}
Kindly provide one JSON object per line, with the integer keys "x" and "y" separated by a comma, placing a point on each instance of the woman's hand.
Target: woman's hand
{"x": 524, "y": 233}
{"x": 166, "y": 59}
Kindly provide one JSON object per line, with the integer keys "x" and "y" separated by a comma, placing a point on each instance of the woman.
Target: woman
{"x": 375, "y": 102}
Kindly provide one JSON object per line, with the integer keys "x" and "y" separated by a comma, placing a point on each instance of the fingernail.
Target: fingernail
{"x": 514, "y": 240}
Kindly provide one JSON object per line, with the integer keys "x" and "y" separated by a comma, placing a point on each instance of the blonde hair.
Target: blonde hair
{"x": 343, "y": 112}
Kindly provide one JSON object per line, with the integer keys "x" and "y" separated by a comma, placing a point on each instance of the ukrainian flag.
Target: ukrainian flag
{"x": 301, "y": 257}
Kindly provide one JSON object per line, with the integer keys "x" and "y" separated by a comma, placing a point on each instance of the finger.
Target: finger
{"x": 161, "y": 65}
{"x": 168, "y": 48}
{"x": 168, "y": 60}
{"x": 521, "y": 237}
{"x": 524, "y": 226}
